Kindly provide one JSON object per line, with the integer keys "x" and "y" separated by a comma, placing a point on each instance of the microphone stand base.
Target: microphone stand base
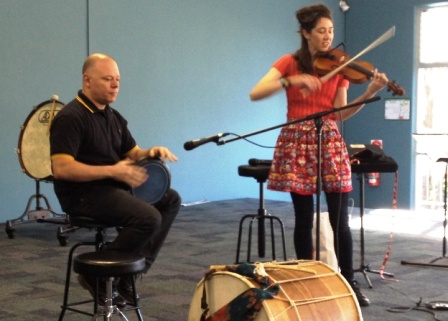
{"x": 430, "y": 263}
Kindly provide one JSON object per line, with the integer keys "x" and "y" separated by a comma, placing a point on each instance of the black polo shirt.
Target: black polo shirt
{"x": 89, "y": 135}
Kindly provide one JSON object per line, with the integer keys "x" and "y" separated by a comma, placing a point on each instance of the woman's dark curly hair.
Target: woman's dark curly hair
{"x": 308, "y": 18}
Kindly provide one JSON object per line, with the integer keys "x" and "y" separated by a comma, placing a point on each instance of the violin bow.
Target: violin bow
{"x": 383, "y": 38}
{"x": 386, "y": 36}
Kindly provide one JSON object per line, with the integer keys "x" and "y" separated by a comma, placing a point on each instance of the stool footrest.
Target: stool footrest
{"x": 261, "y": 235}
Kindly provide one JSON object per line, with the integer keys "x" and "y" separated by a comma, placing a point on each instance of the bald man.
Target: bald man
{"x": 93, "y": 156}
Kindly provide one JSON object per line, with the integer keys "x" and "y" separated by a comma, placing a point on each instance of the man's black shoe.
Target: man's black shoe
{"x": 88, "y": 283}
{"x": 124, "y": 288}
{"x": 362, "y": 299}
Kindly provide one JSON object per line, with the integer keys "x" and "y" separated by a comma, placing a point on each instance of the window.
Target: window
{"x": 431, "y": 121}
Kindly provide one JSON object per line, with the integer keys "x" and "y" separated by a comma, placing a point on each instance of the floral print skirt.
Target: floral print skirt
{"x": 294, "y": 166}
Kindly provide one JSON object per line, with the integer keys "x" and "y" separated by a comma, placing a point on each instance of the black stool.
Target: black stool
{"x": 109, "y": 265}
{"x": 259, "y": 169}
{"x": 98, "y": 244}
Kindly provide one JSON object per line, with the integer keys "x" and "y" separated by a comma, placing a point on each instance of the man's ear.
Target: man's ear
{"x": 86, "y": 80}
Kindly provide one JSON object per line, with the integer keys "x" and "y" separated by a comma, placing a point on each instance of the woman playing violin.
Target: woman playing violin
{"x": 294, "y": 167}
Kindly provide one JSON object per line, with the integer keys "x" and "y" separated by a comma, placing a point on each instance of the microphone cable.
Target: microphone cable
{"x": 427, "y": 308}
{"x": 251, "y": 142}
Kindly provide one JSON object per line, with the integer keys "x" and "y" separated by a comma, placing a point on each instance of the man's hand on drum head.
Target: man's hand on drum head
{"x": 162, "y": 152}
{"x": 133, "y": 175}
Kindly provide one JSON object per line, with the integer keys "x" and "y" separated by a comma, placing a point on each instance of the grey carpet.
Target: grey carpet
{"x": 32, "y": 268}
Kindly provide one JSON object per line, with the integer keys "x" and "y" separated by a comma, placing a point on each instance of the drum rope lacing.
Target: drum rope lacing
{"x": 306, "y": 301}
{"x": 296, "y": 303}
{"x": 293, "y": 304}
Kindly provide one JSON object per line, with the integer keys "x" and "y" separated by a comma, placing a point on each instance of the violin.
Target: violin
{"x": 356, "y": 72}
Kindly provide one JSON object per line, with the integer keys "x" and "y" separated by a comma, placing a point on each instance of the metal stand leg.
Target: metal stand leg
{"x": 364, "y": 268}
{"x": 443, "y": 257}
{"x": 110, "y": 308}
{"x": 39, "y": 214}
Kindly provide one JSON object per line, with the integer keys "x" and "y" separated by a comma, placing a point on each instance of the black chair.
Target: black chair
{"x": 259, "y": 169}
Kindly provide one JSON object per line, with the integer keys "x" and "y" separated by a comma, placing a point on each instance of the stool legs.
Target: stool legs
{"x": 135, "y": 303}
{"x": 261, "y": 217}
{"x": 262, "y": 213}
{"x": 99, "y": 244}
{"x": 65, "y": 305}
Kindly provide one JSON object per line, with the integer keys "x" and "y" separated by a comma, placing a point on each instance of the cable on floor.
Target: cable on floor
{"x": 427, "y": 308}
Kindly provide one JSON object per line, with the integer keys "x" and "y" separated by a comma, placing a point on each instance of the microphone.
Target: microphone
{"x": 192, "y": 144}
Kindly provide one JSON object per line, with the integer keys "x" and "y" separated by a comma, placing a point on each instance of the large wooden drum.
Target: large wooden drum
{"x": 309, "y": 290}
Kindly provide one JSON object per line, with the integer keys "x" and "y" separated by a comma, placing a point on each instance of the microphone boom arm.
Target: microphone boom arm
{"x": 309, "y": 117}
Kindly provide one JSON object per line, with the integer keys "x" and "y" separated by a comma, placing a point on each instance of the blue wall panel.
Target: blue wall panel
{"x": 38, "y": 39}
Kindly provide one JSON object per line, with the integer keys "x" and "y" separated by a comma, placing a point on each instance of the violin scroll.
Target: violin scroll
{"x": 396, "y": 89}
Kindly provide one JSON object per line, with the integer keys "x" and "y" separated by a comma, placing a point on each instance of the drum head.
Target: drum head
{"x": 34, "y": 141}
{"x": 158, "y": 182}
